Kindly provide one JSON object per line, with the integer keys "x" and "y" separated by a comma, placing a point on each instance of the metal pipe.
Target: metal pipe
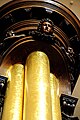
{"x": 14, "y": 96}
{"x": 56, "y": 111}
{"x": 38, "y": 97}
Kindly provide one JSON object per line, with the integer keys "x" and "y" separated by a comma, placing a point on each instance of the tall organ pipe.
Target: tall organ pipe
{"x": 56, "y": 111}
{"x": 14, "y": 96}
{"x": 38, "y": 97}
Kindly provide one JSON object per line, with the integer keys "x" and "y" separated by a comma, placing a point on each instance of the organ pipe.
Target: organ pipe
{"x": 56, "y": 111}
{"x": 14, "y": 96}
{"x": 38, "y": 97}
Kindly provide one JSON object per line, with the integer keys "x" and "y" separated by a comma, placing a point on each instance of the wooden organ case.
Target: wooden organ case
{"x": 46, "y": 28}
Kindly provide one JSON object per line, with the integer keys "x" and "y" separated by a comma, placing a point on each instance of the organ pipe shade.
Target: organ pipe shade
{"x": 25, "y": 95}
{"x": 56, "y": 111}
{"x": 38, "y": 87}
{"x": 14, "y": 96}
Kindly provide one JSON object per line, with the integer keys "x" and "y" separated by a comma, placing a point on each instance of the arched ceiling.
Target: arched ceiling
{"x": 73, "y": 5}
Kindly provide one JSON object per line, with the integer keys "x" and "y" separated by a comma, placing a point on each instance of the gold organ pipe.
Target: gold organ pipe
{"x": 14, "y": 96}
{"x": 56, "y": 111}
{"x": 38, "y": 100}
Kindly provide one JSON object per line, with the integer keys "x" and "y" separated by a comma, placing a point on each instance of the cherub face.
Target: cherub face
{"x": 46, "y": 27}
